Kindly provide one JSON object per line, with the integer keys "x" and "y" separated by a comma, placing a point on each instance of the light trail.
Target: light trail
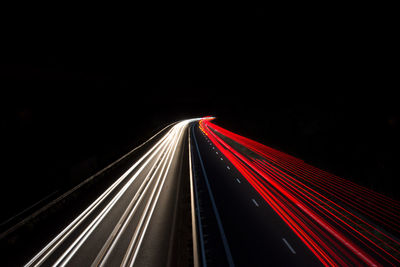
{"x": 127, "y": 216}
{"x": 154, "y": 166}
{"x": 82, "y": 238}
{"x": 341, "y": 222}
{"x": 130, "y": 256}
{"x": 39, "y": 258}
{"x": 196, "y": 222}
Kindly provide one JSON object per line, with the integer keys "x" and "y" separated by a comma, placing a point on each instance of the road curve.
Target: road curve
{"x": 226, "y": 200}
{"x": 132, "y": 220}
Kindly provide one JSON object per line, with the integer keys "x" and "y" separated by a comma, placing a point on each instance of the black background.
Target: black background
{"x": 82, "y": 85}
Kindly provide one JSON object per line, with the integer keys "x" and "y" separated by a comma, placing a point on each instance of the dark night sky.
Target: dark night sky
{"x": 81, "y": 86}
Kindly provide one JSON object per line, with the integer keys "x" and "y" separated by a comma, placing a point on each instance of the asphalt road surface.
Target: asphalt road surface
{"x": 132, "y": 222}
{"x": 183, "y": 197}
{"x": 254, "y": 234}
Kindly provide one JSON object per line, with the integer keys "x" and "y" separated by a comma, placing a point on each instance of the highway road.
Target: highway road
{"x": 132, "y": 222}
{"x": 254, "y": 234}
{"x": 273, "y": 209}
{"x": 204, "y": 196}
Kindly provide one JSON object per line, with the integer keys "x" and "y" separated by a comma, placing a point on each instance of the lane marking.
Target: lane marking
{"x": 222, "y": 159}
{"x": 228, "y": 167}
{"x": 255, "y": 202}
{"x": 238, "y": 181}
{"x": 216, "y": 152}
{"x": 289, "y": 246}
{"x": 214, "y": 206}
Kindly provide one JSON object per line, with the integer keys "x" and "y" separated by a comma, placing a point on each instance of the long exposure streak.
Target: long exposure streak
{"x": 341, "y": 222}
{"x": 134, "y": 195}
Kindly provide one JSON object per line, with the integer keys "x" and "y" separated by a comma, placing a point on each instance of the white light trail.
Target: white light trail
{"x": 161, "y": 154}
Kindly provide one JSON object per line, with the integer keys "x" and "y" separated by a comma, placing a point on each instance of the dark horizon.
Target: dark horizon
{"x": 75, "y": 96}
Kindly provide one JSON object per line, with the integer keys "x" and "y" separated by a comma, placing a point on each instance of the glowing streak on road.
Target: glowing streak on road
{"x": 131, "y": 254}
{"x": 127, "y": 216}
{"x": 163, "y": 152}
{"x": 46, "y": 251}
{"x": 341, "y": 222}
{"x": 319, "y": 207}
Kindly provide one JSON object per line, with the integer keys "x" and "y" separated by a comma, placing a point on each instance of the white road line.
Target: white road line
{"x": 222, "y": 159}
{"x": 216, "y": 152}
{"x": 228, "y": 167}
{"x": 255, "y": 202}
{"x": 238, "y": 181}
{"x": 289, "y": 246}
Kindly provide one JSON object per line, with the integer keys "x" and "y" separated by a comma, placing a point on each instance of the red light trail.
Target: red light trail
{"x": 341, "y": 222}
